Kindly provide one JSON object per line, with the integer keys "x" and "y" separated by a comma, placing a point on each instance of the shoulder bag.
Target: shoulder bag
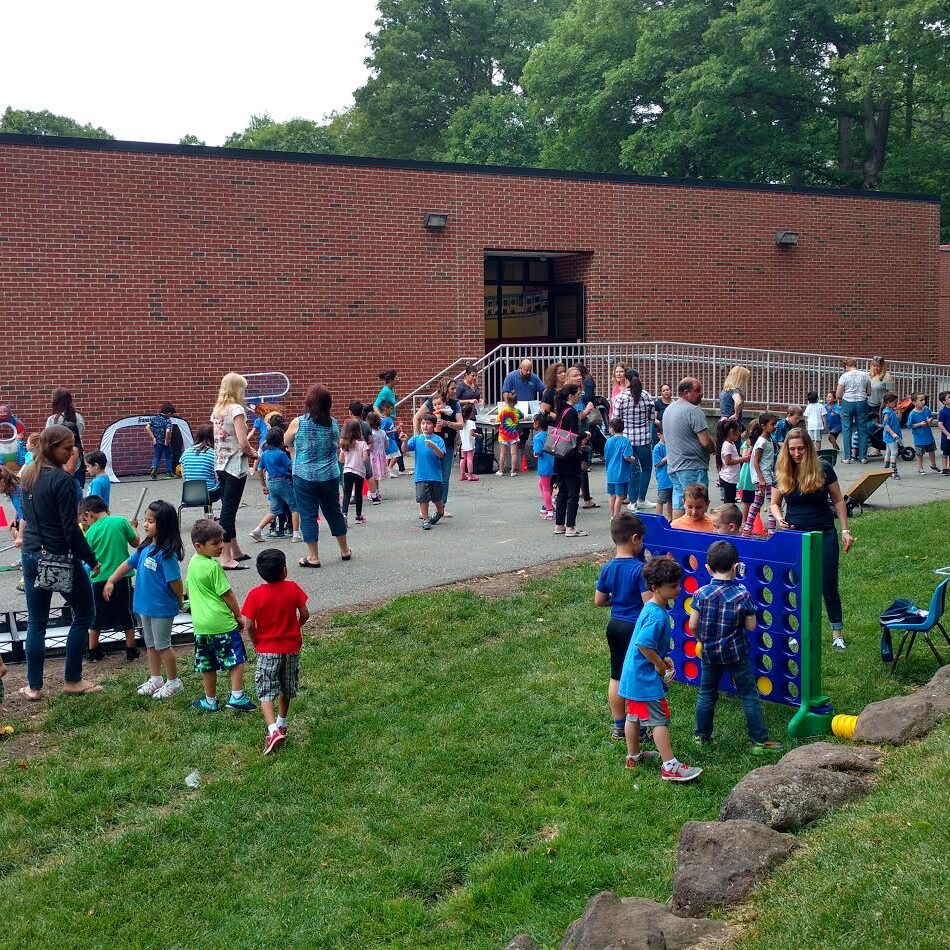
{"x": 560, "y": 442}
{"x": 54, "y": 572}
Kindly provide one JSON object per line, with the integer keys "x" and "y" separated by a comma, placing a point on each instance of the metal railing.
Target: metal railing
{"x": 779, "y": 377}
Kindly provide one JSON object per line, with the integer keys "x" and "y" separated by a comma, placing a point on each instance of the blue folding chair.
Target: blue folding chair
{"x": 922, "y": 626}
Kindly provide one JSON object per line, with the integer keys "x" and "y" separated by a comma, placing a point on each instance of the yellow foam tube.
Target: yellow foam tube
{"x": 843, "y": 726}
{"x": 6, "y": 731}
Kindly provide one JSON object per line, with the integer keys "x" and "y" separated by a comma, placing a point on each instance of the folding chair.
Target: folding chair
{"x": 194, "y": 494}
{"x": 922, "y": 626}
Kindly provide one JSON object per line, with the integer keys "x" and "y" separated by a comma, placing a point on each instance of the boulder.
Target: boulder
{"x": 720, "y": 863}
{"x": 522, "y": 942}
{"x": 838, "y": 758}
{"x": 787, "y": 797}
{"x": 898, "y": 720}
{"x": 632, "y": 923}
{"x": 938, "y": 689}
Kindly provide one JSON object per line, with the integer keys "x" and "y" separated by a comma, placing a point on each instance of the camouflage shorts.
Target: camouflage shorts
{"x": 219, "y": 651}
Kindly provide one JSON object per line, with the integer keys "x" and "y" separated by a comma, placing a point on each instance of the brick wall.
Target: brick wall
{"x": 132, "y": 275}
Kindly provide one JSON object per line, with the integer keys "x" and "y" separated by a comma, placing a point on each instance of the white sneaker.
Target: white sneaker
{"x": 297, "y": 537}
{"x": 632, "y": 507}
{"x": 394, "y": 473}
{"x": 646, "y": 505}
{"x": 171, "y": 688}
{"x": 838, "y": 643}
{"x": 149, "y": 687}
{"x": 256, "y": 534}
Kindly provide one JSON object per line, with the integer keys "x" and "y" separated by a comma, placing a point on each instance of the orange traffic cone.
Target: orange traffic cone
{"x": 3, "y": 518}
{"x": 757, "y": 526}
{"x": 524, "y": 461}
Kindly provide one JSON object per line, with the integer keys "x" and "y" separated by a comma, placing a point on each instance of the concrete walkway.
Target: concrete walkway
{"x": 495, "y": 529}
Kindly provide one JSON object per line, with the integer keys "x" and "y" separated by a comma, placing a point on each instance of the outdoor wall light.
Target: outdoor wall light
{"x": 436, "y": 220}
{"x": 786, "y": 238}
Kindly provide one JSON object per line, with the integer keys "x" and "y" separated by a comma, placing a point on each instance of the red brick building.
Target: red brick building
{"x": 133, "y": 273}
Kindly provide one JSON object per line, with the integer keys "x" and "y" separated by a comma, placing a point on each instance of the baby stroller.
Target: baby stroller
{"x": 876, "y": 440}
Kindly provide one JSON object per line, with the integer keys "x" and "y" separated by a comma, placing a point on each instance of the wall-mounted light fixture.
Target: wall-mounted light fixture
{"x": 786, "y": 238}
{"x": 436, "y": 220}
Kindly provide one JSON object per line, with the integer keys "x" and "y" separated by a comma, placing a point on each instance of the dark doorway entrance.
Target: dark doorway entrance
{"x": 524, "y": 303}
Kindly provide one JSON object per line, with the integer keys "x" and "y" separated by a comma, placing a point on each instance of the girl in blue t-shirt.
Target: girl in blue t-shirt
{"x": 158, "y": 595}
{"x": 545, "y": 465}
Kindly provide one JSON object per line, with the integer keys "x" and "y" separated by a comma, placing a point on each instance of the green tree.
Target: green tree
{"x": 295, "y": 135}
{"x": 431, "y": 57}
{"x": 191, "y": 140}
{"x": 47, "y": 123}
{"x": 493, "y": 130}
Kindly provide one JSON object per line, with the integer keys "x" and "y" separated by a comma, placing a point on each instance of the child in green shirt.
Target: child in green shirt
{"x": 110, "y": 537}
{"x": 217, "y": 620}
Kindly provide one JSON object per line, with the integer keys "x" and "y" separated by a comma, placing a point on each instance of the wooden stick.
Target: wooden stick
{"x": 138, "y": 507}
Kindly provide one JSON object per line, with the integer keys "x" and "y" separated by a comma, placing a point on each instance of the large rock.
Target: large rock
{"x": 632, "y": 923}
{"x": 898, "y": 720}
{"x": 838, "y": 758}
{"x": 938, "y": 689}
{"x": 787, "y": 797}
{"x": 522, "y": 942}
{"x": 720, "y": 863}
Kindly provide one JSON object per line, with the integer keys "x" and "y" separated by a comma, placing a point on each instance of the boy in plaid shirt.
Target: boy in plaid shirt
{"x": 723, "y": 617}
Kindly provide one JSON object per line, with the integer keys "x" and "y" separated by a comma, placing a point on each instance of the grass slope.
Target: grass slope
{"x": 449, "y": 781}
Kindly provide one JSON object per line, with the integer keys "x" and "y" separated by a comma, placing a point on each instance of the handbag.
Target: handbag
{"x": 561, "y": 443}
{"x": 54, "y": 572}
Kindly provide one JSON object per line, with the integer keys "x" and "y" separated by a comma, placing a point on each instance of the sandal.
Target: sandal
{"x": 593, "y": 504}
{"x": 243, "y": 557}
{"x": 303, "y": 562}
{"x": 576, "y": 534}
{"x": 84, "y": 689}
{"x": 29, "y": 695}
{"x": 562, "y": 531}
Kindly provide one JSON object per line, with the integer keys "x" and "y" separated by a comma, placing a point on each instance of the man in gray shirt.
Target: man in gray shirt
{"x": 688, "y": 443}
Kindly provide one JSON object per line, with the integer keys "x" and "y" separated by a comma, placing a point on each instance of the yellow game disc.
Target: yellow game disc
{"x": 764, "y": 685}
{"x": 699, "y": 651}
{"x": 688, "y": 605}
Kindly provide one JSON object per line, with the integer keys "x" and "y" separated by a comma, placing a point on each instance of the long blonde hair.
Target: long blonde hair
{"x": 807, "y": 476}
{"x": 738, "y": 378}
{"x": 232, "y": 390}
{"x": 50, "y": 438}
{"x": 881, "y": 364}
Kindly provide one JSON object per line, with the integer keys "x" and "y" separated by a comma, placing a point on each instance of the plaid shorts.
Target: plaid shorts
{"x": 277, "y": 674}
{"x": 219, "y": 651}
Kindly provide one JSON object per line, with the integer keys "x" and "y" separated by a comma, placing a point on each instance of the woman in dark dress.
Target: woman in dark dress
{"x": 809, "y": 487}
{"x": 568, "y": 470}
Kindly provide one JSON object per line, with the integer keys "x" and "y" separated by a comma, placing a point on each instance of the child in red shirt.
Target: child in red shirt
{"x": 275, "y": 612}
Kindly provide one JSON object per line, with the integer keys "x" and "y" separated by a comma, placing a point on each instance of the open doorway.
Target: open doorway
{"x": 525, "y": 302}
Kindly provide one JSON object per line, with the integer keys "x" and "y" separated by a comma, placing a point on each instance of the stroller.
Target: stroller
{"x": 876, "y": 440}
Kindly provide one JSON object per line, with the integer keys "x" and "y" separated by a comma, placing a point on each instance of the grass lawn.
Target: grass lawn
{"x": 449, "y": 783}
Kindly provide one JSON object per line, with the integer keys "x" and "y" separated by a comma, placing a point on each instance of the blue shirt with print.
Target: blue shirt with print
{"x": 833, "y": 415}
{"x": 889, "y": 418}
{"x": 923, "y": 435}
{"x": 428, "y": 464}
{"x": 545, "y": 459}
{"x": 622, "y": 578}
{"x": 275, "y": 462}
{"x": 616, "y": 452}
{"x": 159, "y": 425}
{"x": 389, "y": 427}
{"x": 100, "y": 486}
{"x": 663, "y": 479}
{"x": 153, "y": 573}
{"x": 639, "y": 680}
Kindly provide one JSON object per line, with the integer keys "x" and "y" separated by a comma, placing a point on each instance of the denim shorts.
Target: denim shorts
{"x": 617, "y": 488}
{"x": 689, "y": 476}
{"x": 664, "y": 496}
{"x": 280, "y": 492}
{"x": 428, "y": 491}
{"x": 219, "y": 651}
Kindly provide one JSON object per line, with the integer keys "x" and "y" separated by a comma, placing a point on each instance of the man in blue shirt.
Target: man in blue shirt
{"x": 429, "y": 449}
{"x": 523, "y": 383}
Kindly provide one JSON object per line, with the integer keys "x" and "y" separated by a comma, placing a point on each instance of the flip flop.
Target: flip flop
{"x": 237, "y": 567}
{"x": 303, "y": 562}
{"x": 588, "y": 507}
{"x": 24, "y": 691}
{"x": 91, "y": 688}
{"x": 243, "y": 557}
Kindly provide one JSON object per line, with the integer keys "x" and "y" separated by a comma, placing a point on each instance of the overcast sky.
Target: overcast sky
{"x": 153, "y": 72}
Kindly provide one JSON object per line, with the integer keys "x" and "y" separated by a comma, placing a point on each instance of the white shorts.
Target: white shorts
{"x": 815, "y": 434}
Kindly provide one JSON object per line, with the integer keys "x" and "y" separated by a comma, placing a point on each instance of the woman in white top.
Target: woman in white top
{"x": 231, "y": 454}
{"x": 854, "y": 387}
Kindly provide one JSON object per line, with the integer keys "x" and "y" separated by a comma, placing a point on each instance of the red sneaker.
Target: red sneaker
{"x": 680, "y": 773}
{"x": 282, "y": 730}
{"x": 273, "y": 740}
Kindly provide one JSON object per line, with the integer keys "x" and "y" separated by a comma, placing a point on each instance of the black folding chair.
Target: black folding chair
{"x": 194, "y": 494}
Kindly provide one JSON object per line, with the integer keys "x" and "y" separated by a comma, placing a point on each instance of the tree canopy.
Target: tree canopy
{"x": 46, "y": 123}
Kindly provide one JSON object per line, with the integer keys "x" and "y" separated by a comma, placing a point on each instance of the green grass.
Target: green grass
{"x": 449, "y": 783}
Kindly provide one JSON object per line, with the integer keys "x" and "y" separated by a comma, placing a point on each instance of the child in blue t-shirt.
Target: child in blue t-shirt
{"x": 96, "y": 464}
{"x": 647, "y": 669}
{"x": 159, "y": 429}
{"x": 620, "y": 586}
{"x": 664, "y": 484}
{"x": 892, "y": 433}
{"x": 943, "y": 420}
{"x": 274, "y": 472}
{"x": 618, "y": 457}
{"x": 918, "y": 421}
{"x": 833, "y": 419}
{"x": 429, "y": 449}
{"x": 545, "y": 461}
